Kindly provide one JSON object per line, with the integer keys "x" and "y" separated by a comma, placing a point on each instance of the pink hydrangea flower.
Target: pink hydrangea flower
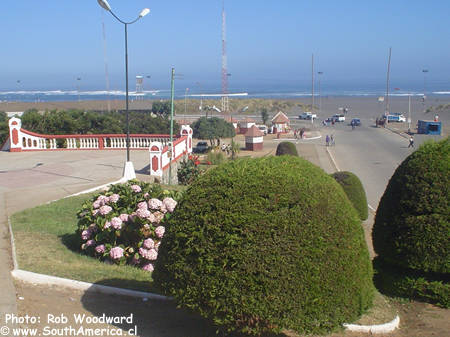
{"x": 101, "y": 200}
{"x": 163, "y": 209}
{"x": 154, "y": 203}
{"x": 159, "y": 231}
{"x": 170, "y": 204}
{"x": 105, "y": 210}
{"x": 142, "y": 205}
{"x": 95, "y": 212}
{"x": 151, "y": 218}
{"x": 116, "y": 223}
{"x": 116, "y": 253}
{"x": 143, "y": 213}
{"x": 96, "y": 204}
{"x": 148, "y": 267}
{"x": 86, "y": 234}
{"x": 107, "y": 225}
{"x": 114, "y": 198}
{"x": 100, "y": 249}
{"x": 149, "y": 254}
{"x": 90, "y": 243}
{"x": 148, "y": 243}
{"x": 124, "y": 217}
{"x": 136, "y": 188}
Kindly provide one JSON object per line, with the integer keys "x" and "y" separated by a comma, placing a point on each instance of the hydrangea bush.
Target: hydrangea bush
{"x": 123, "y": 225}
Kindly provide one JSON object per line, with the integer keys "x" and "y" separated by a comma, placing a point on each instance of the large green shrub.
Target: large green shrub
{"x": 411, "y": 234}
{"x": 264, "y": 245}
{"x": 412, "y": 224}
{"x": 355, "y": 191}
{"x": 286, "y": 148}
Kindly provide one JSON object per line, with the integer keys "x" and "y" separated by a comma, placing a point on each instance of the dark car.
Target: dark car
{"x": 201, "y": 147}
{"x": 355, "y": 122}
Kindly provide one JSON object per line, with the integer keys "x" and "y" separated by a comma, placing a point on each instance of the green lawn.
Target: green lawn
{"x": 44, "y": 238}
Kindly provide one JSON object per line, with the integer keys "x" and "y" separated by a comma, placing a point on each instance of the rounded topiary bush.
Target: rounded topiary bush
{"x": 411, "y": 233}
{"x": 412, "y": 224}
{"x": 267, "y": 244}
{"x": 355, "y": 191}
{"x": 286, "y": 148}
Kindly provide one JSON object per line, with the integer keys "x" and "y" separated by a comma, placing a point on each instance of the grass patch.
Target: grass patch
{"x": 45, "y": 237}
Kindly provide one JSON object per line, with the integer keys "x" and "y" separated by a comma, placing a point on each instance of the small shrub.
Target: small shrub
{"x": 188, "y": 170}
{"x": 355, "y": 191}
{"x": 261, "y": 245}
{"x": 286, "y": 148}
{"x": 216, "y": 158}
{"x": 122, "y": 226}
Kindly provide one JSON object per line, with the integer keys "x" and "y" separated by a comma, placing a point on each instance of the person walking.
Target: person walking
{"x": 331, "y": 140}
{"x": 302, "y": 133}
{"x": 411, "y": 142}
{"x": 327, "y": 140}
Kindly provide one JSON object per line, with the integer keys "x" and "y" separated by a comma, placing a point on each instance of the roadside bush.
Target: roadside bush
{"x": 188, "y": 170}
{"x": 286, "y": 148}
{"x": 260, "y": 245}
{"x": 411, "y": 234}
{"x": 216, "y": 157}
{"x": 355, "y": 191}
{"x": 412, "y": 224}
{"x": 122, "y": 225}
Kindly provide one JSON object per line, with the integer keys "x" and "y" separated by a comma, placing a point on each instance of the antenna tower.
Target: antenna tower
{"x": 225, "y": 105}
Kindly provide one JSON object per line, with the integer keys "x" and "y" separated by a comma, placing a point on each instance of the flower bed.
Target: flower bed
{"x": 123, "y": 225}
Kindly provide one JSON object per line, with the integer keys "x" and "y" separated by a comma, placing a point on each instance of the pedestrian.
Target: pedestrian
{"x": 327, "y": 140}
{"x": 302, "y": 132}
{"x": 353, "y": 125}
{"x": 295, "y": 133}
{"x": 411, "y": 142}
{"x": 332, "y": 140}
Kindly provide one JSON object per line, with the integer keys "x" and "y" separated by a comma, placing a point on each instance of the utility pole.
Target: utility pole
{"x": 320, "y": 93}
{"x": 387, "y": 86}
{"x": 312, "y": 88}
{"x": 172, "y": 86}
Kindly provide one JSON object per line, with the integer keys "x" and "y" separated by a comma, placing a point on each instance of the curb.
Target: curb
{"x": 40, "y": 279}
{"x": 379, "y": 328}
{"x": 400, "y": 133}
{"x": 13, "y": 246}
{"x": 332, "y": 159}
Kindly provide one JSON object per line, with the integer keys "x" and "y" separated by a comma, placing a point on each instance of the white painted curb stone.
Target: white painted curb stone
{"x": 380, "y": 328}
{"x": 34, "y": 278}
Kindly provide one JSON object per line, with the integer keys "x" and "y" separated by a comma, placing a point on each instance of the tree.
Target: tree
{"x": 161, "y": 108}
{"x": 4, "y": 129}
{"x": 264, "y": 115}
{"x": 212, "y": 129}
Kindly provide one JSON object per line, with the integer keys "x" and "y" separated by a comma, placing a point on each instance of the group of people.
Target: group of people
{"x": 329, "y": 140}
{"x": 299, "y": 133}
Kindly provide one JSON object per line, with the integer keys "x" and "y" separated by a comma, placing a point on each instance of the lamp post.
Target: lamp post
{"x": 129, "y": 169}
{"x": 320, "y": 73}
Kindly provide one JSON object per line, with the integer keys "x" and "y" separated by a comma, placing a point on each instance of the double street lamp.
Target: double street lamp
{"x": 129, "y": 170}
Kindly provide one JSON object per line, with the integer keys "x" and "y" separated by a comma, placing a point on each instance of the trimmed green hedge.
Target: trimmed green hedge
{"x": 286, "y": 148}
{"x": 412, "y": 224}
{"x": 261, "y": 245}
{"x": 398, "y": 282}
{"x": 355, "y": 191}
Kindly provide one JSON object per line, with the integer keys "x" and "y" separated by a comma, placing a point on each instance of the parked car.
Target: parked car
{"x": 339, "y": 118}
{"x": 201, "y": 147}
{"x": 355, "y": 122}
{"x": 307, "y": 115}
{"x": 263, "y": 129}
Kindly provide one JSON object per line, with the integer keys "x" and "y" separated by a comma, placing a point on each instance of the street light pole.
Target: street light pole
{"x": 320, "y": 92}
{"x": 129, "y": 169}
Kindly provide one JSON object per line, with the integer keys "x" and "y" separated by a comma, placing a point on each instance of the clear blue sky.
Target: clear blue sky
{"x": 47, "y": 44}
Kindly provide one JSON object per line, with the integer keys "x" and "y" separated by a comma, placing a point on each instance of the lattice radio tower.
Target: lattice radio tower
{"x": 225, "y": 105}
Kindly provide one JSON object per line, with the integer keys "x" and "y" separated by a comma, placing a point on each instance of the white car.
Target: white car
{"x": 339, "y": 118}
{"x": 263, "y": 129}
{"x": 307, "y": 115}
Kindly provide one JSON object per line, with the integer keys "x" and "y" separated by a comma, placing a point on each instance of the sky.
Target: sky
{"x": 48, "y": 44}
